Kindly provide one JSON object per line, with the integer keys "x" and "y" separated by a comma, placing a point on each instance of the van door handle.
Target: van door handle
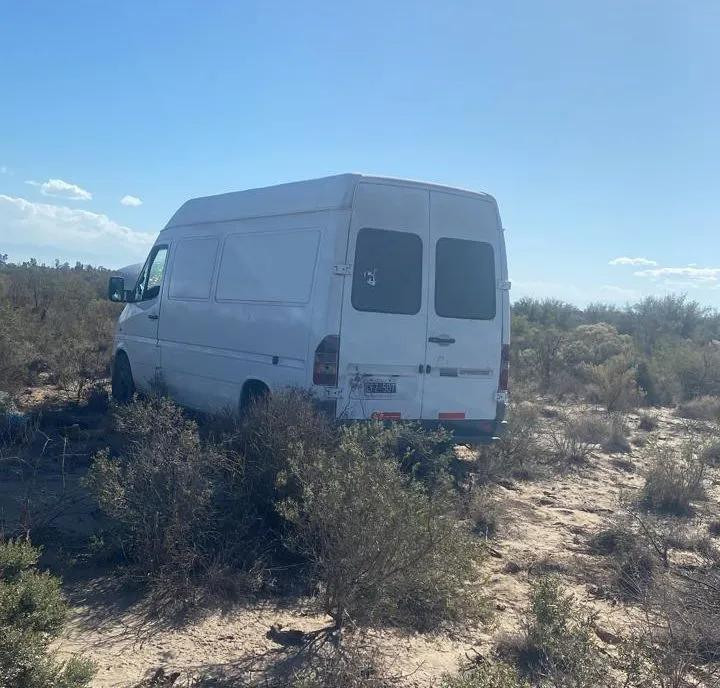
{"x": 152, "y": 316}
{"x": 442, "y": 340}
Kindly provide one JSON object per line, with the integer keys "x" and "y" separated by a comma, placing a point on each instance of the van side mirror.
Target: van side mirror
{"x": 116, "y": 290}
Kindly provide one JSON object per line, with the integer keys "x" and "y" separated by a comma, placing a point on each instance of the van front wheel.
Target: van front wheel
{"x": 123, "y": 386}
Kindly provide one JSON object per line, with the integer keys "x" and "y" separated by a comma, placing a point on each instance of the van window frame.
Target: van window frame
{"x": 317, "y": 230}
{"x": 144, "y": 275}
{"x": 353, "y": 295}
{"x": 219, "y": 243}
{"x": 492, "y": 314}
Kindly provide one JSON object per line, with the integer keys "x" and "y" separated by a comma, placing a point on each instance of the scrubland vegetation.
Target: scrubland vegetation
{"x": 580, "y": 550}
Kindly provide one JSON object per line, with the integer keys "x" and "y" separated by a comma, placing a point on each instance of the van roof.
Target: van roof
{"x": 326, "y": 193}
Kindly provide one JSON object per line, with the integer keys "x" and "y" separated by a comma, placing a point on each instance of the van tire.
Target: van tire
{"x": 123, "y": 385}
{"x": 252, "y": 392}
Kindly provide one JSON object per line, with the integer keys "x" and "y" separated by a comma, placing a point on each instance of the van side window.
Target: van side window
{"x": 268, "y": 267}
{"x": 192, "y": 268}
{"x": 150, "y": 280}
{"x": 464, "y": 279}
{"x": 387, "y": 275}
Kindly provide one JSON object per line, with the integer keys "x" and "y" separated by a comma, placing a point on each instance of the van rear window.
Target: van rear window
{"x": 464, "y": 279}
{"x": 387, "y": 275}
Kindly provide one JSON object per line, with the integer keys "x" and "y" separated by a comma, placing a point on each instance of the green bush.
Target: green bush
{"x": 384, "y": 548}
{"x": 674, "y": 480}
{"x": 558, "y": 644}
{"x": 32, "y": 614}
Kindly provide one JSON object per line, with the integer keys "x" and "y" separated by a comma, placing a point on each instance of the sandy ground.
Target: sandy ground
{"x": 546, "y": 528}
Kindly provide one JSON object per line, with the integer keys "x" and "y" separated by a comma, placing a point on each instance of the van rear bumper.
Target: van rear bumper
{"x": 473, "y": 431}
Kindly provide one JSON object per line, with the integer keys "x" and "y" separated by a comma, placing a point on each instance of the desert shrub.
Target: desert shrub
{"x": 15, "y": 427}
{"x": 383, "y": 547}
{"x": 702, "y": 408}
{"x": 483, "y": 510}
{"x": 648, "y": 421}
{"x": 32, "y": 614}
{"x": 594, "y": 344}
{"x": 574, "y": 439}
{"x": 212, "y": 507}
{"x": 613, "y": 383}
{"x": 487, "y": 675}
{"x": 163, "y": 491}
{"x": 518, "y": 451}
{"x": 558, "y": 645}
{"x": 266, "y": 436}
{"x": 616, "y": 440}
{"x": 427, "y": 455}
{"x": 710, "y": 452}
{"x": 56, "y": 321}
{"x": 589, "y": 427}
{"x": 356, "y": 664}
{"x": 545, "y": 354}
{"x": 678, "y": 642}
{"x": 674, "y": 480}
{"x": 685, "y": 369}
{"x": 633, "y": 561}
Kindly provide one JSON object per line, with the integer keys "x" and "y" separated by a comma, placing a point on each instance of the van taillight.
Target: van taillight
{"x": 325, "y": 367}
{"x": 504, "y": 369}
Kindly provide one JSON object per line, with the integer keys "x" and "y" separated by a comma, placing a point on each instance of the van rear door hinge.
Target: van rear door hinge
{"x": 341, "y": 269}
{"x": 504, "y": 285}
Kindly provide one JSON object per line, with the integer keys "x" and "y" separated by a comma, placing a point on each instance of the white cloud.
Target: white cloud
{"x": 62, "y": 189}
{"x": 624, "y": 260}
{"x": 4, "y": 169}
{"x": 689, "y": 274}
{"x": 68, "y": 233}
{"x": 132, "y": 201}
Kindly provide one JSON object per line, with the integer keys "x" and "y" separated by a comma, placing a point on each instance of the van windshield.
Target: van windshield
{"x": 464, "y": 279}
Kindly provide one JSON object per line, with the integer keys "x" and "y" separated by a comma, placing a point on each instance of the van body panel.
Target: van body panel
{"x": 255, "y": 280}
{"x": 258, "y": 318}
{"x": 138, "y": 338}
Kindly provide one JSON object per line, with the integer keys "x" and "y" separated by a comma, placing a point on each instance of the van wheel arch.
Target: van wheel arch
{"x": 252, "y": 390}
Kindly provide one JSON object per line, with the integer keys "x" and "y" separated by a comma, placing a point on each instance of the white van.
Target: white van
{"x": 387, "y": 298}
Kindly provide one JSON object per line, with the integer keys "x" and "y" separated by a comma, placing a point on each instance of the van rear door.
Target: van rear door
{"x": 464, "y": 334}
{"x": 384, "y": 314}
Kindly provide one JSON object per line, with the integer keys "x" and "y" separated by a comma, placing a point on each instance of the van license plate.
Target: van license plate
{"x": 376, "y": 387}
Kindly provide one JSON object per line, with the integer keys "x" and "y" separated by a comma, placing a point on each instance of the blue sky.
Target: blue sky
{"x": 596, "y": 125}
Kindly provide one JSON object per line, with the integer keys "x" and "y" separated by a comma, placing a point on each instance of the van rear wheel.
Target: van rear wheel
{"x": 123, "y": 386}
